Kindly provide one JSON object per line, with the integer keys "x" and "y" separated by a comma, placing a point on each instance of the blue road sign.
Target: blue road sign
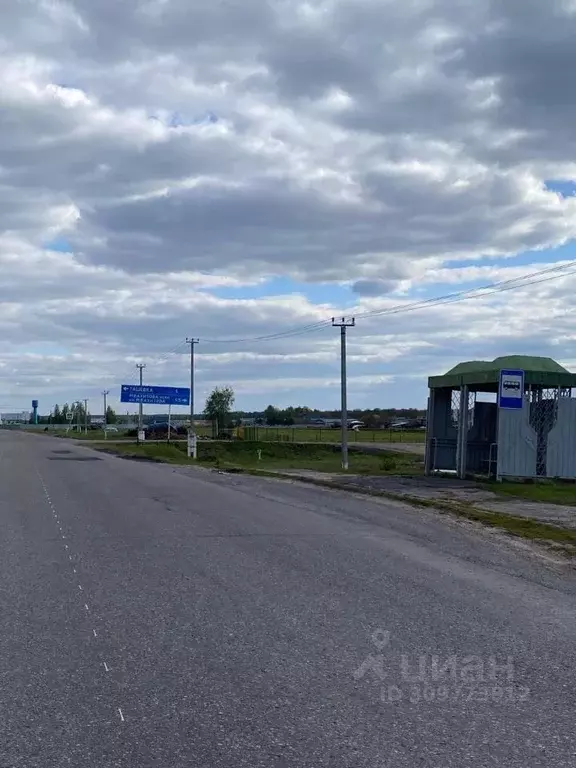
{"x": 134, "y": 393}
{"x": 511, "y": 389}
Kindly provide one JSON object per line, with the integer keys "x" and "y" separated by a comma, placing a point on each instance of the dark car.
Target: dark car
{"x": 158, "y": 430}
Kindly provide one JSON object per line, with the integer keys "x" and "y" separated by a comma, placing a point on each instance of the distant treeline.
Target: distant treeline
{"x": 372, "y": 417}
{"x": 272, "y": 416}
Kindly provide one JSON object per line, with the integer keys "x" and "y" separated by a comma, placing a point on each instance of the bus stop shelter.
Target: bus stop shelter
{"x": 469, "y": 432}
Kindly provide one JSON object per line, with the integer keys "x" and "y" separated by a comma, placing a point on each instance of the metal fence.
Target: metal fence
{"x": 315, "y": 435}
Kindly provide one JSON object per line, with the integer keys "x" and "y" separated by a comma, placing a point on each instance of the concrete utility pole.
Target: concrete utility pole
{"x": 343, "y": 324}
{"x": 85, "y": 416}
{"x": 140, "y": 367}
{"x": 105, "y": 395}
{"x": 192, "y": 343}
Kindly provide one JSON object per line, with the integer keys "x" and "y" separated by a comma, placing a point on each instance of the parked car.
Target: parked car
{"x": 158, "y": 430}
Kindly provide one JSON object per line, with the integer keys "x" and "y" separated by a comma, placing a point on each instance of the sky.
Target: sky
{"x": 246, "y": 168}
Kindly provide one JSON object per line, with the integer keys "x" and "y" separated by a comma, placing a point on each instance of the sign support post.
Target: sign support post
{"x": 511, "y": 386}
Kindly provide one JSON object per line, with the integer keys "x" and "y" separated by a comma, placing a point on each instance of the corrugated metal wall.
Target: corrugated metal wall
{"x": 517, "y": 443}
{"x": 441, "y": 434}
{"x": 561, "y": 453}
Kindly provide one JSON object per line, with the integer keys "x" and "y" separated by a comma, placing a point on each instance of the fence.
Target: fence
{"x": 313, "y": 435}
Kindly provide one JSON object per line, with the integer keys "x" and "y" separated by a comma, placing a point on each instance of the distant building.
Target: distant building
{"x": 15, "y": 418}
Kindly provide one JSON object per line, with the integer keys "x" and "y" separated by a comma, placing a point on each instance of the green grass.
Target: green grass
{"x": 161, "y": 452}
{"x": 274, "y": 456}
{"x": 545, "y": 492}
{"x": 524, "y": 527}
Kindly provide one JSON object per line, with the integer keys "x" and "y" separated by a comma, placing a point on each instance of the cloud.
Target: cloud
{"x": 373, "y": 287}
{"x": 391, "y": 148}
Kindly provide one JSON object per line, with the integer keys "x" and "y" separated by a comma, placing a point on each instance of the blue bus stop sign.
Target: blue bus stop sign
{"x": 511, "y": 389}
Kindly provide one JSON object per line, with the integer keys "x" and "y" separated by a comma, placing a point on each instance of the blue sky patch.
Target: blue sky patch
{"x": 178, "y": 120}
{"x": 317, "y": 293}
{"x": 59, "y": 244}
{"x": 564, "y": 188}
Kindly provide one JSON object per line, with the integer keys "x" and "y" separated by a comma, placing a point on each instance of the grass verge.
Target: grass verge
{"x": 273, "y": 456}
{"x": 543, "y": 492}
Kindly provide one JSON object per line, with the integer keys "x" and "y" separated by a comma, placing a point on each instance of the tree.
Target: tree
{"x": 110, "y": 415}
{"x": 57, "y": 416}
{"x": 271, "y": 416}
{"x": 79, "y": 414}
{"x": 219, "y": 405}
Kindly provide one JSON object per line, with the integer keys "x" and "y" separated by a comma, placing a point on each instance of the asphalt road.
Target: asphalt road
{"x": 152, "y": 616}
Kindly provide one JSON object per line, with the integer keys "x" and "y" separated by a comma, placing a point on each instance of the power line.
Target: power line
{"x": 162, "y": 358}
{"x": 502, "y": 286}
{"x": 297, "y": 331}
{"x": 450, "y": 300}
{"x": 478, "y": 292}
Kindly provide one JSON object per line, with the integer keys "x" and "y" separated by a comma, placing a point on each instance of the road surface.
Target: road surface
{"x": 157, "y": 616}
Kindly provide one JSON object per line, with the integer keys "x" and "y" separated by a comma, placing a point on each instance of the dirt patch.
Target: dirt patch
{"x": 452, "y": 491}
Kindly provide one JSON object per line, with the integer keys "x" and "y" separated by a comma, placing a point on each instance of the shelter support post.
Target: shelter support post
{"x": 428, "y": 458}
{"x": 462, "y": 443}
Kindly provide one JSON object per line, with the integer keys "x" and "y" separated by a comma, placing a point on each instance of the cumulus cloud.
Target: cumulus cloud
{"x": 182, "y": 151}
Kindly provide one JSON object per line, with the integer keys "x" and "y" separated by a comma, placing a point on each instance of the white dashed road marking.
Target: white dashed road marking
{"x": 59, "y": 524}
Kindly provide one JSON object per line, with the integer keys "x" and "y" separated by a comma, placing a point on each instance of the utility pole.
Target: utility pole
{"x": 105, "y": 395}
{"x": 85, "y": 416}
{"x": 140, "y": 367}
{"x": 192, "y": 433}
{"x": 343, "y": 324}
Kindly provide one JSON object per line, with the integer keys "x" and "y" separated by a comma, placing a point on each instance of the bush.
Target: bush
{"x": 387, "y": 463}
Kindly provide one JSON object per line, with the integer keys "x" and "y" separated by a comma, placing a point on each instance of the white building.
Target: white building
{"x": 15, "y": 418}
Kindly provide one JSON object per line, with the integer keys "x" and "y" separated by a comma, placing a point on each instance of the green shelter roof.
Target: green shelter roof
{"x": 483, "y": 375}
